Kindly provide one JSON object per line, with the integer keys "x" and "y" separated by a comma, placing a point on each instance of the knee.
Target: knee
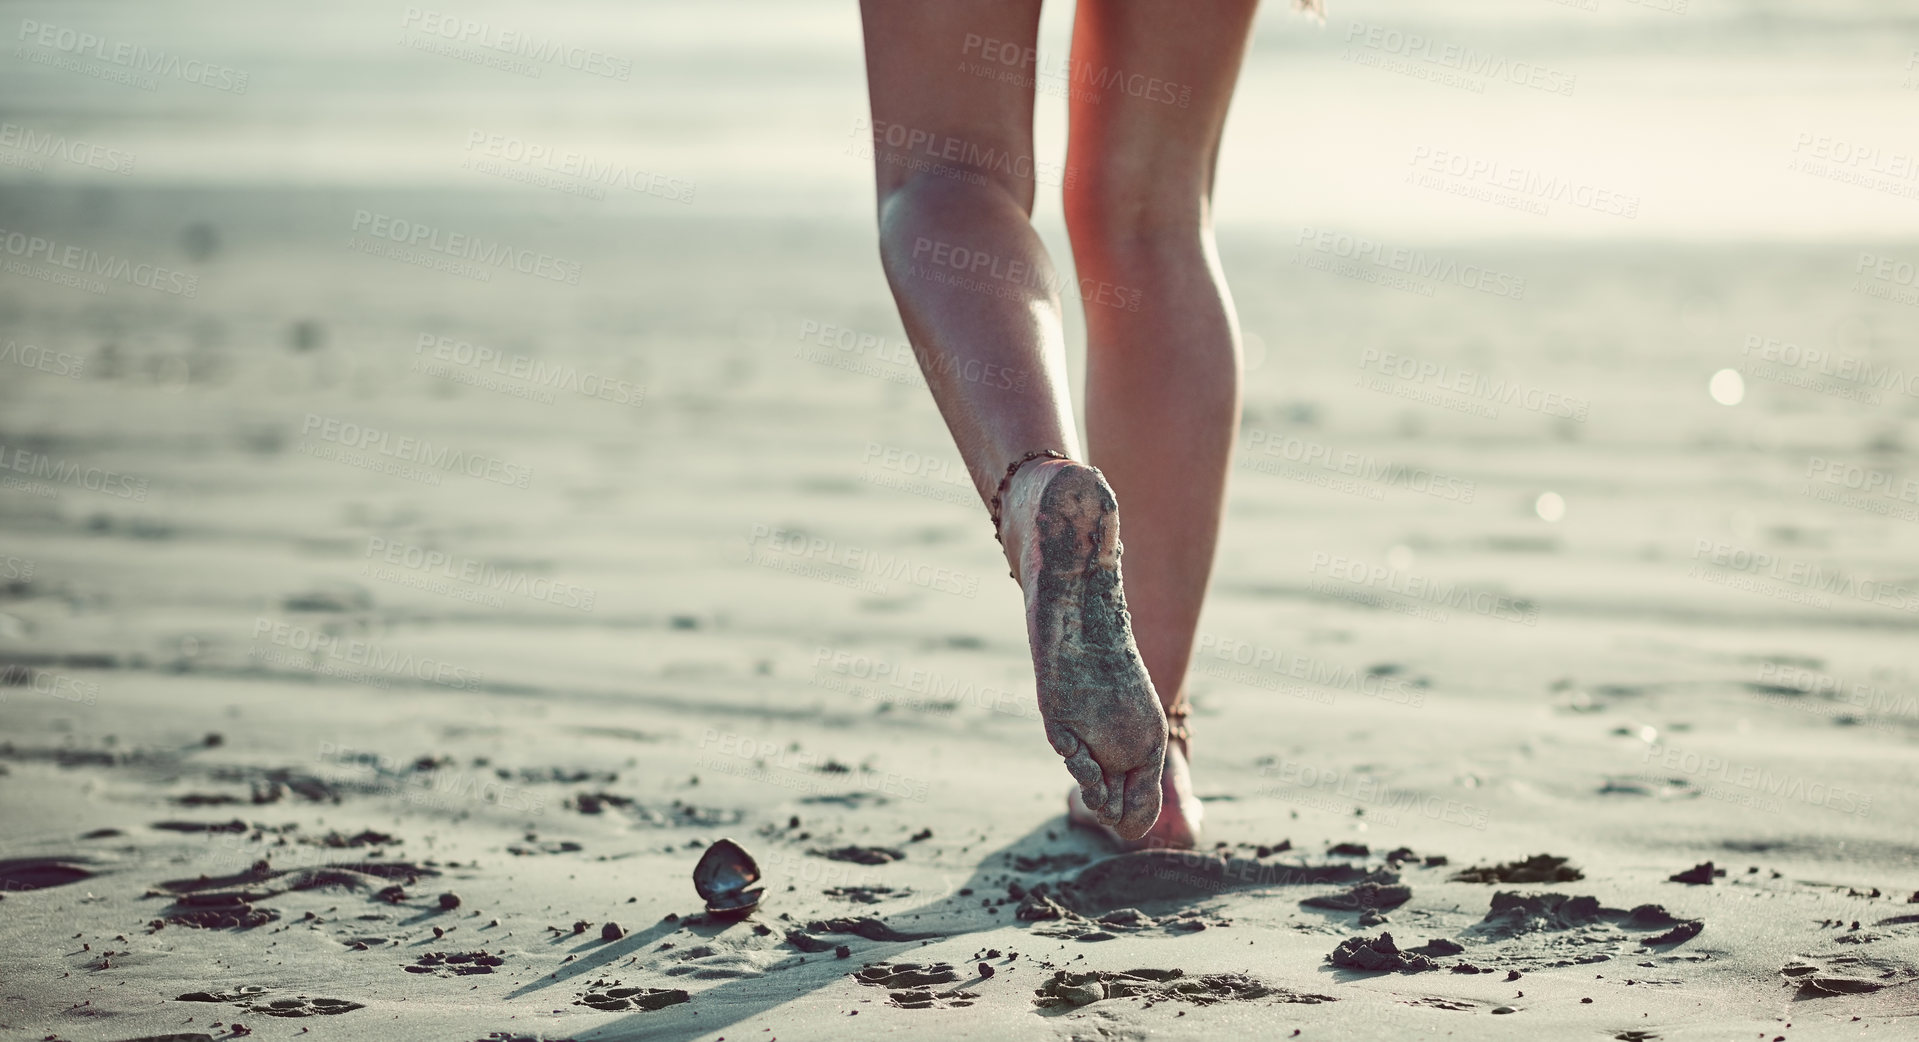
{"x": 951, "y": 191}
{"x": 1119, "y": 217}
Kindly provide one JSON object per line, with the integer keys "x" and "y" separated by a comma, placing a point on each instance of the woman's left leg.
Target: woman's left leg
{"x": 1162, "y": 377}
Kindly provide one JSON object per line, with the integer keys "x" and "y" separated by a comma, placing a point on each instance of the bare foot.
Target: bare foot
{"x": 1180, "y": 811}
{"x": 1061, "y": 528}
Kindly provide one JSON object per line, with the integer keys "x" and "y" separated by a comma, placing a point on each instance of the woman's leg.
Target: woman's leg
{"x": 978, "y": 296}
{"x": 1162, "y": 381}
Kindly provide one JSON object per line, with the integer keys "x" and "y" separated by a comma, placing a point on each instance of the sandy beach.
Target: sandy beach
{"x": 405, "y": 579}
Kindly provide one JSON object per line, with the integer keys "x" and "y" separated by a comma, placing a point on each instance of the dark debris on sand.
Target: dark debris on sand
{"x": 1540, "y": 868}
{"x": 1047, "y": 863}
{"x": 1380, "y": 890}
{"x": 1141, "y": 878}
{"x": 865, "y": 895}
{"x": 1701, "y": 874}
{"x": 864, "y": 926}
{"x": 1066, "y": 988}
{"x": 860, "y": 855}
{"x": 1040, "y": 906}
{"x": 807, "y": 943}
{"x": 1378, "y": 955}
{"x": 1513, "y": 913}
{"x": 1154, "y": 889}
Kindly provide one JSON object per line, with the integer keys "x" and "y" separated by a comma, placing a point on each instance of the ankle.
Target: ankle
{"x": 1019, "y": 509}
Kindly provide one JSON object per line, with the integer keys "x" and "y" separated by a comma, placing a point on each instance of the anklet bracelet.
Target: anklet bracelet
{"x": 1176, "y": 729}
{"x": 999, "y": 494}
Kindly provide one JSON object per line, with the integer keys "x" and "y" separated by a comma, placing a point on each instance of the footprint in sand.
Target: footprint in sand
{"x": 1820, "y": 977}
{"x": 910, "y": 985}
{"x": 299, "y": 1006}
{"x": 239, "y": 994}
{"x": 619, "y": 999}
{"x": 238, "y": 915}
{"x": 455, "y": 964}
{"x": 304, "y": 1007}
{"x": 39, "y": 873}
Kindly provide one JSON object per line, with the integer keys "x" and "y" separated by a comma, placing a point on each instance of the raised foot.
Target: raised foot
{"x": 1098, "y": 704}
{"x": 1178, "y": 827}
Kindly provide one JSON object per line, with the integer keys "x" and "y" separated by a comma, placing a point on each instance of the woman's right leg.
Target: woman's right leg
{"x": 977, "y": 295}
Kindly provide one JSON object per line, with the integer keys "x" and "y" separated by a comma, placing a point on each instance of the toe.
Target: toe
{"x": 1142, "y": 801}
{"x": 1081, "y": 765}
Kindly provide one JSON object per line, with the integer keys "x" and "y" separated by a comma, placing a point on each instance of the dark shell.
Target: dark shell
{"x": 725, "y": 877}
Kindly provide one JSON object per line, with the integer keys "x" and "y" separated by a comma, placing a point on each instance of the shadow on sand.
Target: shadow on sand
{"x": 1157, "y": 883}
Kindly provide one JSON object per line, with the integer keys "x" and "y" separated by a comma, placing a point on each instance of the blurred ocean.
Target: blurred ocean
{"x": 1697, "y": 109}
